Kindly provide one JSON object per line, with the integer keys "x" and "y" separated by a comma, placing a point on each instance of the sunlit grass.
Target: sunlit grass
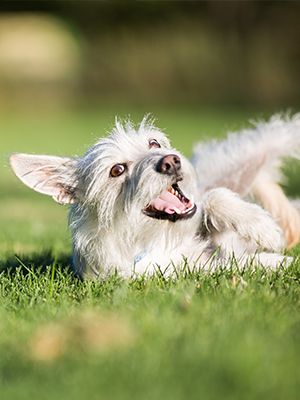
{"x": 231, "y": 335}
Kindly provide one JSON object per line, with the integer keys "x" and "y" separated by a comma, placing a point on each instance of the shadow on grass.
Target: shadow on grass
{"x": 36, "y": 262}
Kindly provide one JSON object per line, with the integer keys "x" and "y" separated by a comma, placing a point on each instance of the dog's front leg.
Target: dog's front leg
{"x": 224, "y": 211}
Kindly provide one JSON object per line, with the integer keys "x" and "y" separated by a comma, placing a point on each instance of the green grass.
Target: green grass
{"x": 230, "y": 335}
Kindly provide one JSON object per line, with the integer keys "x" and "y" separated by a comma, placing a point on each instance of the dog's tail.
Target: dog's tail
{"x": 249, "y": 163}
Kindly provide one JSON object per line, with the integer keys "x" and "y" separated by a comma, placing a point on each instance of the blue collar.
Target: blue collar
{"x": 140, "y": 256}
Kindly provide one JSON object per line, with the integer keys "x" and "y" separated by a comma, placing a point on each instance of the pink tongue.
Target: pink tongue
{"x": 167, "y": 202}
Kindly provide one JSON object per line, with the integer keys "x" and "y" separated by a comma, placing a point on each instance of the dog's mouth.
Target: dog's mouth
{"x": 171, "y": 204}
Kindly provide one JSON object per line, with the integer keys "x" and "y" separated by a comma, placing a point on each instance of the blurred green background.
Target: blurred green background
{"x": 67, "y": 68}
{"x": 242, "y": 53}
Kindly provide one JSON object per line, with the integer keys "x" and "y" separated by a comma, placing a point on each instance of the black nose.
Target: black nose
{"x": 169, "y": 165}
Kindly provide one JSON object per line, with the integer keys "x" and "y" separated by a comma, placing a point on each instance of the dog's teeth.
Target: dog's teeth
{"x": 191, "y": 206}
{"x": 177, "y": 210}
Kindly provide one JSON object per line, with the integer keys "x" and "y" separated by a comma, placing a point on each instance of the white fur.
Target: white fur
{"x": 249, "y": 163}
{"x": 251, "y": 154}
{"x": 110, "y": 231}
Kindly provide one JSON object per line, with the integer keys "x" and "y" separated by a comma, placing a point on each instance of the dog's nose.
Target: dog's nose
{"x": 169, "y": 165}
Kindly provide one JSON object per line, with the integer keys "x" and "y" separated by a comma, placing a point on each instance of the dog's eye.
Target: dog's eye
{"x": 154, "y": 144}
{"x": 117, "y": 170}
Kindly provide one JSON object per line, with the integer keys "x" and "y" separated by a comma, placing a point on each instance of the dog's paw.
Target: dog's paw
{"x": 272, "y": 261}
{"x": 224, "y": 211}
{"x": 260, "y": 227}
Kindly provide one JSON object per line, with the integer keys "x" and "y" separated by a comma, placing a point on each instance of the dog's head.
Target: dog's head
{"x": 132, "y": 172}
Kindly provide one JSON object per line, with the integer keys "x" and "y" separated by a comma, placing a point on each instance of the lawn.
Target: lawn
{"x": 230, "y": 335}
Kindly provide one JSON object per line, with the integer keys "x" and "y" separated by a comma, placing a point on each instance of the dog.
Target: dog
{"x": 137, "y": 205}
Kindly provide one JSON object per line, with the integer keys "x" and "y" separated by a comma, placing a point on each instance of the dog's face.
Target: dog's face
{"x": 134, "y": 173}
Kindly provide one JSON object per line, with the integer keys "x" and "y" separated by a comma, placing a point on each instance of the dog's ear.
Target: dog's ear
{"x": 54, "y": 176}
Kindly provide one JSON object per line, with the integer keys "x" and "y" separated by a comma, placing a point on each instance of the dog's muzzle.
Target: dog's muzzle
{"x": 171, "y": 204}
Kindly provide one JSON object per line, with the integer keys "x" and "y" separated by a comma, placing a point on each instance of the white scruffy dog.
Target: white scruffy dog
{"x": 137, "y": 204}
